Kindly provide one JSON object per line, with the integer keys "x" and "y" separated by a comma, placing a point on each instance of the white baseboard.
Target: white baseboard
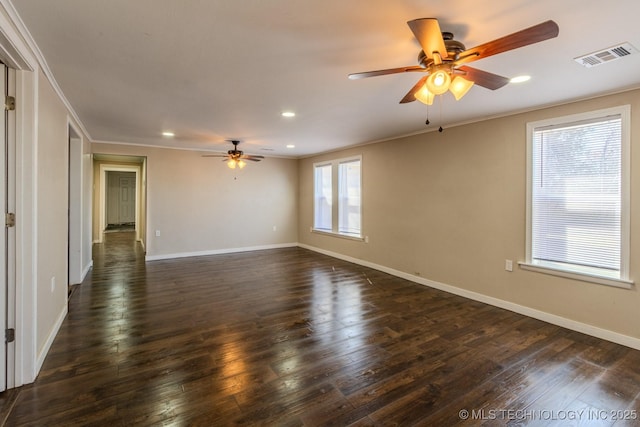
{"x": 47, "y": 345}
{"x": 219, "y": 251}
{"x": 573, "y": 325}
{"x": 86, "y": 270}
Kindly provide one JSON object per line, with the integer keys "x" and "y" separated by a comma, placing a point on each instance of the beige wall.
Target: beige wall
{"x": 451, "y": 207}
{"x": 199, "y": 205}
{"x": 51, "y": 213}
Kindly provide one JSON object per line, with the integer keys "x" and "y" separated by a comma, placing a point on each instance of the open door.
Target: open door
{"x": 75, "y": 267}
{"x": 7, "y": 239}
{"x": 4, "y": 297}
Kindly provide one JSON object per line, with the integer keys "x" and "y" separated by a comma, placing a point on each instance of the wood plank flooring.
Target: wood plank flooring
{"x": 290, "y": 337}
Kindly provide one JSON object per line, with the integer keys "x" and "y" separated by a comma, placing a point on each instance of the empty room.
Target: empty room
{"x": 295, "y": 213}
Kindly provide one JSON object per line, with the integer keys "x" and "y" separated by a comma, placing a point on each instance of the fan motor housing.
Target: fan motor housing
{"x": 454, "y": 47}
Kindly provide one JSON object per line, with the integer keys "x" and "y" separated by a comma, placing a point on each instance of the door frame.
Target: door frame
{"x": 114, "y": 204}
{"x": 18, "y": 55}
{"x": 75, "y": 200}
{"x": 104, "y": 168}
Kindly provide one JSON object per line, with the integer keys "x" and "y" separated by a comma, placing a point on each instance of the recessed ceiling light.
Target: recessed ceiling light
{"x": 520, "y": 79}
{"x": 291, "y": 146}
{"x": 288, "y": 114}
{"x": 169, "y": 134}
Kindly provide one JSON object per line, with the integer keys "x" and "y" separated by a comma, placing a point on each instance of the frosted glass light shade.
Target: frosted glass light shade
{"x": 460, "y": 86}
{"x": 438, "y": 82}
{"x": 423, "y": 95}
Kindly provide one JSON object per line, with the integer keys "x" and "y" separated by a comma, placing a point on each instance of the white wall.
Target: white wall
{"x": 451, "y": 209}
{"x": 201, "y": 206}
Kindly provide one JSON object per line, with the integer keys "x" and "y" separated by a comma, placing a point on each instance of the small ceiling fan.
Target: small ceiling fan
{"x": 235, "y": 158}
{"x": 442, "y": 59}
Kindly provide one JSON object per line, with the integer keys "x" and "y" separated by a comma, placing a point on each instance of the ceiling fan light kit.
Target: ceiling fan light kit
{"x": 442, "y": 59}
{"x": 438, "y": 82}
{"x": 236, "y": 158}
{"x": 424, "y": 95}
{"x": 232, "y": 163}
{"x": 459, "y": 87}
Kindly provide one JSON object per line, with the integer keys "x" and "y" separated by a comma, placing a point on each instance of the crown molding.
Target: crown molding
{"x": 38, "y": 61}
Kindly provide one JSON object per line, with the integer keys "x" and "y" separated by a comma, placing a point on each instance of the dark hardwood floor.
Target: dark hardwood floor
{"x": 290, "y": 337}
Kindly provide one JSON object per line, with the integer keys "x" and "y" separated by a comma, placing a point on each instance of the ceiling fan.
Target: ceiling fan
{"x": 442, "y": 59}
{"x": 235, "y": 158}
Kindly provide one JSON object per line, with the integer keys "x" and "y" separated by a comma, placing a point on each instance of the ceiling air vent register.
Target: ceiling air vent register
{"x": 606, "y": 55}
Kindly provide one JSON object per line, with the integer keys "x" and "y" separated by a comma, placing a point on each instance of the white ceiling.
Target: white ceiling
{"x": 216, "y": 70}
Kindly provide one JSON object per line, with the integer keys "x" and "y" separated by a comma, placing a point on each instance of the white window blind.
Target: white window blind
{"x": 323, "y": 198}
{"x": 576, "y": 194}
{"x": 338, "y": 197}
{"x": 349, "y": 197}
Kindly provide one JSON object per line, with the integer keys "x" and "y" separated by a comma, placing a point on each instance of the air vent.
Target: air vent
{"x": 606, "y": 55}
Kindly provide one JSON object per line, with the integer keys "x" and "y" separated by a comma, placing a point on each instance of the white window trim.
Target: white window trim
{"x": 336, "y": 234}
{"x": 624, "y": 111}
{"x": 334, "y": 193}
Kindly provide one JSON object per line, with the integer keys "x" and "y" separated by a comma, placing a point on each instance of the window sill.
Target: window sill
{"x": 340, "y": 235}
{"x": 600, "y": 280}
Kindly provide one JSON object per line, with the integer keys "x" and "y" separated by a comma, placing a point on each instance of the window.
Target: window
{"x": 577, "y": 194}
{"x": 349, "y": 197}
{"x": 323, "y": 198}
{"x": 337, "y": 197}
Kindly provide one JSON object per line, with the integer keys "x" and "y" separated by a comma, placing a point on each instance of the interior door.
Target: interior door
{"x": 10, "y": 230}
{"x": 127, "y": 200}
{"x": 113, "y": 198}
{"x": 4, "y": 289}
{"x": 75, "y": 209}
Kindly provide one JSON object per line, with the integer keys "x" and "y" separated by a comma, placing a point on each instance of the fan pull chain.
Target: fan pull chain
{"x": 427, "y": 122}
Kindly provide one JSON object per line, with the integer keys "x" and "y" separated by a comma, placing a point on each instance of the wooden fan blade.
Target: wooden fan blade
{"x": 214, "y": 155}
{"x": 537, "y": 33}
{"x": 362, "y": 75}
{"x": 411, "y": 95}
{"x": 484, "y": 78}
{"x": 427, "y": 31}
{"x": 252, "y": 157}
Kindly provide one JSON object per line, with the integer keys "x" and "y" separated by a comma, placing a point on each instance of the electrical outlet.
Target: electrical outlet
{"x": 275, "y": 228}
{"x": 157, "y": 233}
{"x": 53, "y": 284}
{"x": 366, "y": 239}
{"x": 508, "y": 265}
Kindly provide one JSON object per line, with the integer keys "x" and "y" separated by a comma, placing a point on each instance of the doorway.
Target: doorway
{"x": 74, "y": 255}
{"x": 121, "y": 201}
{"x": 119, "y": 195}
